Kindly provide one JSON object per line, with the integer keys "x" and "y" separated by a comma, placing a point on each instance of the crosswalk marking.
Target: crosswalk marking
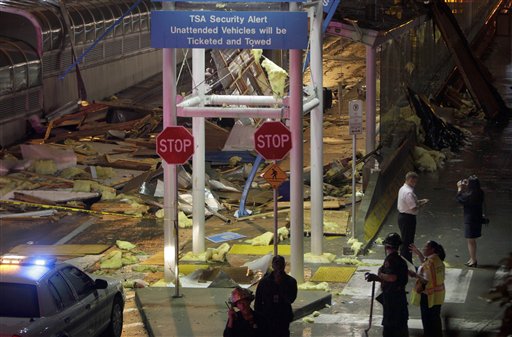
{"x": 413, "y": 323}
{"x": 456, "y": 282}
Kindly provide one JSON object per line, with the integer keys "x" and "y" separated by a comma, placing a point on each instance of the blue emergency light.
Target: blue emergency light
{"x": 27, "y": 260}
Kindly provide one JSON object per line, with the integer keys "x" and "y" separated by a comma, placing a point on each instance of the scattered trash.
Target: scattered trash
{"x": 438, "y": 134}
{"x": 312, "y": 286}
{"x": 217, "y": 254}
{"x": 324, "y": 258}
{"x": 125, "y": 245}
{"x": 356, "y": 245}
{"x": 223, "y": 237}
{"x": 113, "y": 260}
{"x": 264, "y": 239}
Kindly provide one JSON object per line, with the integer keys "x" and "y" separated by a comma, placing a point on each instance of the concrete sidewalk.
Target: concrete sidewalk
{"x": 202, "y": 311}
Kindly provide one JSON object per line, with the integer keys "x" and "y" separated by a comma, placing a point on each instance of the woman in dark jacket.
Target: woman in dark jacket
{"x": 471, "y": 196}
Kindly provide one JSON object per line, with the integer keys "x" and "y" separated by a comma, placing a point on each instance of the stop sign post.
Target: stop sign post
{"x": 175, "y": 145}
{"x": 273, "y": 140}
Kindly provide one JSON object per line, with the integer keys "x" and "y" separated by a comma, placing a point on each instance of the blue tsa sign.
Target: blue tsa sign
{"x": 229, "y": 30}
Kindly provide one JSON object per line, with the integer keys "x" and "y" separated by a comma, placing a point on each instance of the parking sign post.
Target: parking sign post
{"x": 355, "y": 122}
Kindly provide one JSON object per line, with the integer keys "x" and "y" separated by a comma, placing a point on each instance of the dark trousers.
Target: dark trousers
{"x": 431, "y": 318}
{"x": 407, "y": 225}
{"x": 393, "y": 331}
{"x": 281, "y": 331}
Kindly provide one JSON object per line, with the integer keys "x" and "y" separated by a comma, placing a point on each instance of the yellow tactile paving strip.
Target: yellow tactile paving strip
{"x": 186, "y": 269}
{"x": 333, "y": 274}
{"x": 239, "y": 249}
{"x": 59, "y": 250}
{"x": 158, "y": 260}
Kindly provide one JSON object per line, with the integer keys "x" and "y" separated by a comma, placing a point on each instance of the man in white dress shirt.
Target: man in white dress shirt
{"x": 408, "y": 206}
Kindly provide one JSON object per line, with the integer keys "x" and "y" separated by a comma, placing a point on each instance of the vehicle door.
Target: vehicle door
{"x": 96, "y": 309}
{"x": 71, "y": 318}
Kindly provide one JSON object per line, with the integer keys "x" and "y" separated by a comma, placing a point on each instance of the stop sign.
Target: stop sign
{"x": 273, "y": 140}
{"x": 175, "y": 145}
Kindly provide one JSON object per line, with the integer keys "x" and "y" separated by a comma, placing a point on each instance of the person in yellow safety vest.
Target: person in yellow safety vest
{"x": 429, "y": 290}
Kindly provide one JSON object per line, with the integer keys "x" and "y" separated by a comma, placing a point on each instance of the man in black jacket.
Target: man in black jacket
{"x": 393, "y": 275}
{"x": 274, "y": 297}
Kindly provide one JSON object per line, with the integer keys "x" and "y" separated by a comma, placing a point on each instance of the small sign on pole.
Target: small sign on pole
{"x": 275, "y": 176}
{"x": 355, "y": 116}
{"x": 355, "y": 122}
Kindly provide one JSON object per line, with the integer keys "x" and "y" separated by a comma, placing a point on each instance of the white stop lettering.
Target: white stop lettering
{"x": 174, "y": 145}
{"x": 272, "y": 141}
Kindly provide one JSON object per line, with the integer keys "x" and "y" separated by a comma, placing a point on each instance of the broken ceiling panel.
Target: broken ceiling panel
{"x": 239, "y": 73}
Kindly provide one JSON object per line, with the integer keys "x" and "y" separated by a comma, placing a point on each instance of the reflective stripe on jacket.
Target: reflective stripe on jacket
{"x": 433, "y": 268}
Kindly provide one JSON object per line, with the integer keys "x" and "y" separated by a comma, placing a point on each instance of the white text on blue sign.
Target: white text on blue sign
{"x": 230, "y": 30}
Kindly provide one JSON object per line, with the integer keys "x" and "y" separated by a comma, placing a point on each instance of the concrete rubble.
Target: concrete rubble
{"x": 100, "y": 158}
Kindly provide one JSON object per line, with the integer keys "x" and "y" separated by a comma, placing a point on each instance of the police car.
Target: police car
{"x": 45, "y": 298}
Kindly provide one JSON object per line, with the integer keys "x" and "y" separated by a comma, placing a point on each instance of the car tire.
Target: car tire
{"x": 115, "y": 326}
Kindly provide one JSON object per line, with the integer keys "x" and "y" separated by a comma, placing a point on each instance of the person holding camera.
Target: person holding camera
{"x": 471, "y": 196}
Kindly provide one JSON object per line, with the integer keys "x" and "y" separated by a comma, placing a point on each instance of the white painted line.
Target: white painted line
{"x": 413, "y": 323}
{"x": 456, "y": 282}
{"x": 357, "y": 286}
{"x": 75, "y": 232}
{"x": 127, "y": 310}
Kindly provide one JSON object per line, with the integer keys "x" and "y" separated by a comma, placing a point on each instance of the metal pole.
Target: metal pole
{"x": 176, "y": 228}
{"x": 296, "y": 165}
{"x": 170, "y": 171}
{"x": 371, "y": 99}
{"x": 171, "y": 256}
{"x": 317, "y": 207}
{"x": 353, "y": 185}
{"x": 276, "y": 238}
{"x": 198, "y": 172}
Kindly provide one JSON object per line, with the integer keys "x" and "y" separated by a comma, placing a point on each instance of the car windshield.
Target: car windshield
{"x": 18, "y": 300}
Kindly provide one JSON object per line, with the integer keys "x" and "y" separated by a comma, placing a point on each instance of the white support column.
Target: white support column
{"x": 170, "y": 172}
{"x": 296, "y": 165}
{"x": 198, "y": 172}
{"x": 316, "y": 133}
{"x": 371, "y": 98}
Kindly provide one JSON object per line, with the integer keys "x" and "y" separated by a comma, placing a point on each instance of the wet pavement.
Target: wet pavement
{"x": 489, "y": 156}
